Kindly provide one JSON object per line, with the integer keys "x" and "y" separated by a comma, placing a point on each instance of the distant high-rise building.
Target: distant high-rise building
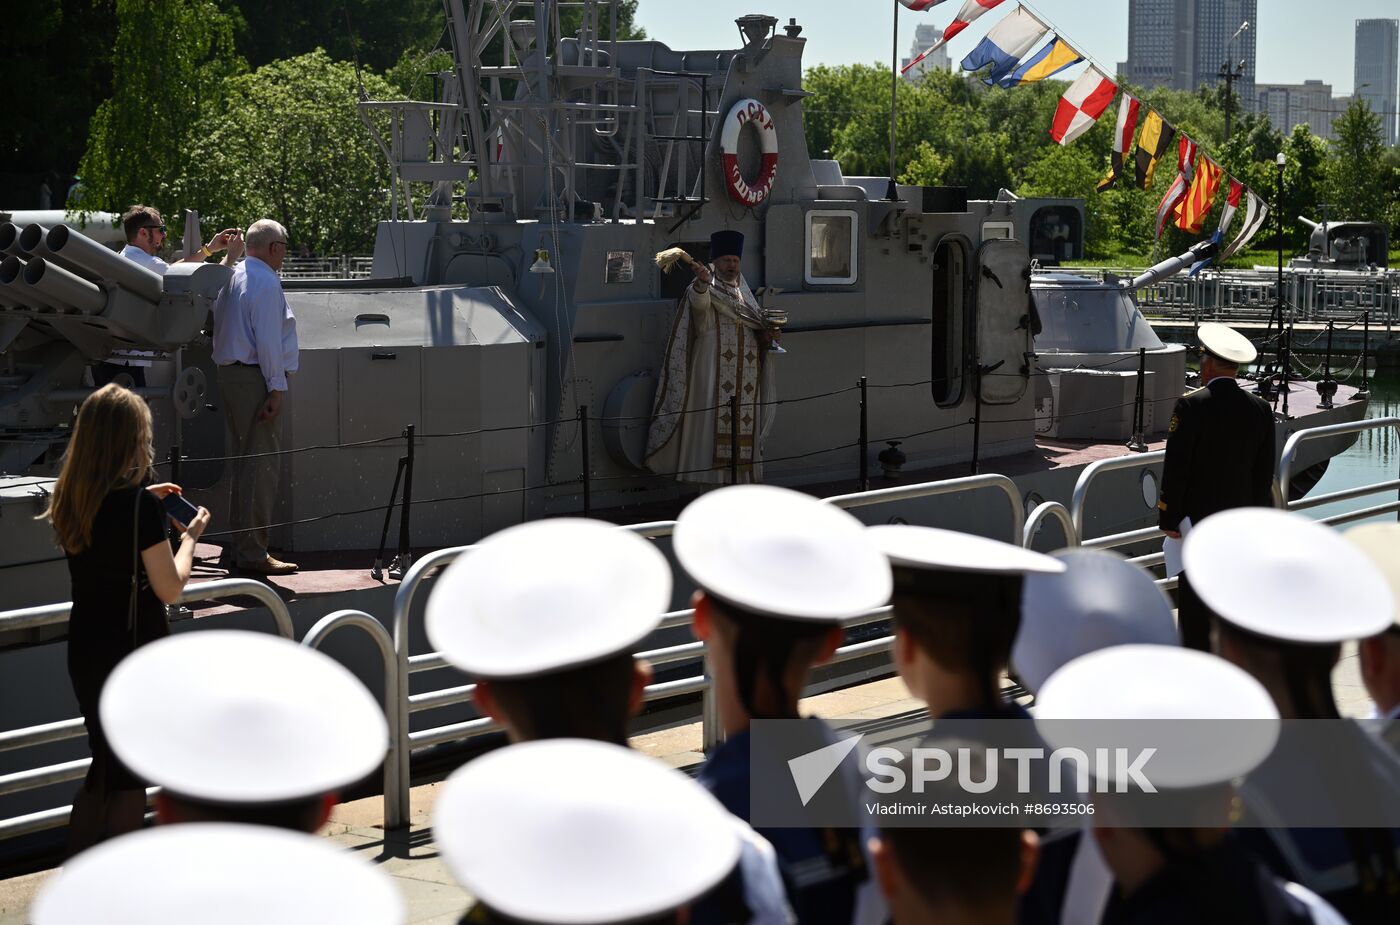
{"x": 1290, "y": 105}
{"x": 1184, "y": 43}
{"x": 1377, "y": 71}
{"x": 924, "y": 37}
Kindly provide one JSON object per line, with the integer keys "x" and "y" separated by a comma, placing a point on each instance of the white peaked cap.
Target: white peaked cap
{"x": 1100, "y": 600}
{"x": 781, "y": 553}
{"x": 235, "y": 717}
{"x": 1381, "y": 544}
{"x": 618, "y": 837}
{"x": 1281, "y": 575}
{"x": 1136, "y": 684}
{"x": 1225, "y": 342}
{"x": 933, "y": 549}
{"x": 218, "y": 874}
{"x": 548, "y": 595}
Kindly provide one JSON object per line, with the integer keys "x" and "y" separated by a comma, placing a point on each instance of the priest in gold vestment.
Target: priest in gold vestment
{"x": 718, "y": 348}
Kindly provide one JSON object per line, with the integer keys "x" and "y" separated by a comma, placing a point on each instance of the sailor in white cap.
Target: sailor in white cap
{"x": 947, "y": 874}
{"x": 218, "y": 874}
{"x": 957, "y": 606}
{"x": 242, "y": 727}
{"x": 551, "y": 648}
{"x": 1170, "y": 849}
{"x": 1100, "y": 600}
{"x": 777, "y": 572}
{"x": 1220, "y": 455}
{"x": 1380, "y": 654}
{"x": 627, "y": 840}
{"x": 1281, "y": 610}
{"x": 551, "y": 653}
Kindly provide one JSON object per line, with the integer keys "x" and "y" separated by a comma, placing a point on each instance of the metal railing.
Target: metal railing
{"x": 400, "y": 663}
{"x": 46, "y": 733}
{"x": 393, "y": 813}
{"x": 1288, "y": 458}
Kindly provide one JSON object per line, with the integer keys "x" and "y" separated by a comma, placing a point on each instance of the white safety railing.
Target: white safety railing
{"x": 46, "y": 733}
{"x": 1079, "y": 503}
{"x": 1289, "y": 457}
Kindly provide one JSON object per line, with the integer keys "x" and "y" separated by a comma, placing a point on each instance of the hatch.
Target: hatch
{"x": 1003, "y": 285}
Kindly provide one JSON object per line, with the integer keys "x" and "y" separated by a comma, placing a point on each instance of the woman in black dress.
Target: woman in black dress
{"x": 111, "y": 525}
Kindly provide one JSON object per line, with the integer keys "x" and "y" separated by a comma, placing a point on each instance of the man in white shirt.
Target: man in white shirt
{"x": 255, "y": 347}
{"x": 145, "y": 238}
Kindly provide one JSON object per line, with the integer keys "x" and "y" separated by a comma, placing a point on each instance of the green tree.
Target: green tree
{"x": 1359, "y": 186}
{"x": 1073, "y": 171}
{"x": 1304, "y": 183}
{"x": 171, "y": 59}
{"x": 286, "y": 142}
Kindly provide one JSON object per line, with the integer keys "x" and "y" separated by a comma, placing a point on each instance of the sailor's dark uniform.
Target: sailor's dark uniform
{"x": 826, "y": 871}
{"x": 1226, "y": 884}
{"x": 1220, "y": 455}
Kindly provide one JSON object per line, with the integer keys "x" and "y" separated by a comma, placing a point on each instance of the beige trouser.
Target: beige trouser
{"x": 254, "y": 481}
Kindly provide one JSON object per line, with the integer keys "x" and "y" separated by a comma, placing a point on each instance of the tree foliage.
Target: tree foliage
{"x": 1356, "y": 174}
{"x": 286, "y": 142}
{"x": 171, "y": 60}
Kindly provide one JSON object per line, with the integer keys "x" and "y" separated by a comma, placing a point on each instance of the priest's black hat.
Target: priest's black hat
{"x": 726, "y": 244}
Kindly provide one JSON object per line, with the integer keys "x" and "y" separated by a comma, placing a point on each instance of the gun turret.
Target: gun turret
{"x": 66, "y": 302}
{"x": 1174, "y": 265}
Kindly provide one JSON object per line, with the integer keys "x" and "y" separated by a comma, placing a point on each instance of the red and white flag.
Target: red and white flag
{"x": 1185, "y": 173}
{"x": 1085, "y": 100}
{"x": 1128, "y": 109}
{"x": 971, "y": 9}
{"x": 1254, "y": 215}
{"x": 920, "y": 5}
{"x": 1232, "y": 202}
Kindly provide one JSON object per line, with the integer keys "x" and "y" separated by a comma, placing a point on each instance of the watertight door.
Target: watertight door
{"x": 1003, "y": 321}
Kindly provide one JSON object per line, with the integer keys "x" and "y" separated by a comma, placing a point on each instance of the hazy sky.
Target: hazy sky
{"x": 1297, "y": 39}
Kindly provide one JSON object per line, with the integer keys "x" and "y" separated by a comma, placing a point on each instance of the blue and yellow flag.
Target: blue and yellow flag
{"x": 1050, "y": 60}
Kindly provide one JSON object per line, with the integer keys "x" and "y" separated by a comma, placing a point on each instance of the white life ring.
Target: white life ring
{"x": 749, "y": 111}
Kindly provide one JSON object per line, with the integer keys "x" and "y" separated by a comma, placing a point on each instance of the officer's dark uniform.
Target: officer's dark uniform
{"x": 1220, "y": 455}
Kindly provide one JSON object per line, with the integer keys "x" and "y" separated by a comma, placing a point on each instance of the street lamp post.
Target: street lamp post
{"x": 1284, "y": 336}
{"x": 1231, "y": 74}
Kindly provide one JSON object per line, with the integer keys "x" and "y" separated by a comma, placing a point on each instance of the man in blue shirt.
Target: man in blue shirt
{"x": 255, "y": 347}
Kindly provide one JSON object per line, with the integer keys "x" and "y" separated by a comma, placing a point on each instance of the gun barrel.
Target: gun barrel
{"x": 1309, "y": 222}
{"x": 1173, "y": 265}
{"x": 67, "y": 290}
{"x": 14, "y": 288}
{"x": 9, "y": 239}
{"x": 68, "y": 246}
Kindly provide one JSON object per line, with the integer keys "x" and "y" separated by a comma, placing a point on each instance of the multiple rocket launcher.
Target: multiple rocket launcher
{"x": 66, "y": 302}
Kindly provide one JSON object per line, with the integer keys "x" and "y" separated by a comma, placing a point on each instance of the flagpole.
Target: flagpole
{"x": 891, "y": 192}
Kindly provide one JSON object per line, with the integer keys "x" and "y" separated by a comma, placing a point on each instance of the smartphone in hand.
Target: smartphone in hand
{"x": 179, "y": 510}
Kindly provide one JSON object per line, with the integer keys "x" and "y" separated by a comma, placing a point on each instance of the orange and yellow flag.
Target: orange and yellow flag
{"x": 1192, "y": 210}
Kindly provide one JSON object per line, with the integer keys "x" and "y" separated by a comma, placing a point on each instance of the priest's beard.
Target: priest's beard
{"x": 729, "y": 279}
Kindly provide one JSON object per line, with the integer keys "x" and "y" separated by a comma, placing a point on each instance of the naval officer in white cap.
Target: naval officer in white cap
{"x": 218, "y": 874}
{"x": 579, "y": 832}
{"x": 551, "y": 652}
{"x": 777, "y": 572}
{"x": 242, "y": 727}
{"x": 957, "y": 606}
{"x": 1220, "y": 455}
{"x": 1282, "y": 607}
{"x": 1170, "y": 850}
{"x": 1380, "y": 654}
{"x": 545, "y": 616}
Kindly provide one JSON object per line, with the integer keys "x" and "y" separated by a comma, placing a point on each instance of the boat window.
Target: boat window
{"x": 949, "y": 306}
{"x": 831, "y": 248}
{"x": 1001, "y": 231}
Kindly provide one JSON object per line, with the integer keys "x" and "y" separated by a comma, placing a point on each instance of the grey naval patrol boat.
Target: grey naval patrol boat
{"x": 516, "y": 321}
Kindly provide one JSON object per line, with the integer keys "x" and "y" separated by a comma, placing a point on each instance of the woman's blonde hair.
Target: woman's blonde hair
{"x": 110, "y": 448}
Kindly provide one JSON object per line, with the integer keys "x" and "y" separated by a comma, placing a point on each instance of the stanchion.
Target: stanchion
{"x": 864, "y": 438}
{"x": 1327, "y": 387}
{"x": 377, "y": 571}
{"x": 174, "y": 457}
{"x": 403, "y": 561}
{"x": 587, "y": 459}
{"x": 1138, "y": 442}
{"x": 734, "y": 439}
{"x": 1365, "y": 353}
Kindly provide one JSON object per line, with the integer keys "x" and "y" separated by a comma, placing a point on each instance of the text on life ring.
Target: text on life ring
{"x": 745, "y": 112}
